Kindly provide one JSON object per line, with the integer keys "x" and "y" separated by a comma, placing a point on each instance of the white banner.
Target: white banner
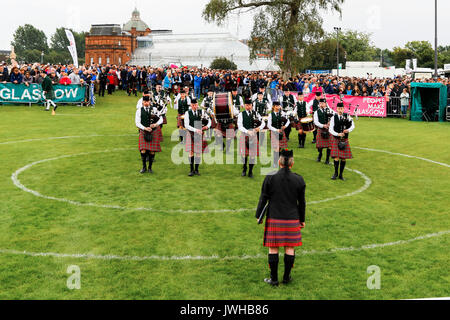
{"x": 414, "y": 61}
{"x": 72, "y": 47}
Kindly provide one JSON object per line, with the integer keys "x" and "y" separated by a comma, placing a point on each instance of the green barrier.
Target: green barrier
{"x": 20, "y": 93}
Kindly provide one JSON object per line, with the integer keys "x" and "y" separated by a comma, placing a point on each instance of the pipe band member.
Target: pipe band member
{"x": 285, "y": 217}
{"x": 340, "y": 126}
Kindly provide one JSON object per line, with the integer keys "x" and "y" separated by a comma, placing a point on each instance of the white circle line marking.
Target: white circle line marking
{"x": 17, "y": 183}
{"x": 214, "y": 257}
{"x": 66, "y": 137}
{"x": 404, "y": 155}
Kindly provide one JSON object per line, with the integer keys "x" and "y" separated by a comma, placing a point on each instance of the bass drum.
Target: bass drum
{"x": 308, "y": 124}
{"x": 223, "y": 109}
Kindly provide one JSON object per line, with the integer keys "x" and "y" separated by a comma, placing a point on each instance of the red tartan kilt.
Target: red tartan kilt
{"x": 341, "y": 154}
{"x": 191, "y": 146}
{"x": 164, "y": 120}
{"x": 159, "y": 132}
{"x": 283, "y": 143}
{"x": 153, "y": 146}
{"x": 321, "y": 142}
{"x": 282, "y": 233}
{"x": 224, "y": 130}
{"x": 180, "y": 122}
{"x": 253, "y": 151}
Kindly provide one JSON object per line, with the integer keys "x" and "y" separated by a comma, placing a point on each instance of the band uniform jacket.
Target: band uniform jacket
{"x": 285, "y": 192}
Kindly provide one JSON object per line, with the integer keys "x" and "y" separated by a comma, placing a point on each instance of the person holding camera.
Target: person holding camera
{"x": 341, "y": 125}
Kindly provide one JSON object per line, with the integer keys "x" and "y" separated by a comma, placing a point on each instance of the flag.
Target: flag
{"x": 72, "y": 47}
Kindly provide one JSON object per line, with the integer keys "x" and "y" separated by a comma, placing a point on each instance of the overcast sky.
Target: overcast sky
{"x": 391, "y": 22}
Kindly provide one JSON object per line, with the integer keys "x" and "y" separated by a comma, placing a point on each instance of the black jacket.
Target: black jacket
{"x": 285, "y": 192}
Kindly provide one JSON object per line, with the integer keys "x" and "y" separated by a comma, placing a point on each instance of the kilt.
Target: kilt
{"x": 321, "y": 142}
{"x": 224, "y": 130}
{"x": 197, "y": 147}
{"x": 153, "y": 146}
{"x": 282, "y": 233}
{"x": 298, "y": 125}
{"x": 159, "y": 132}
{"x": 341, "y": 154}
{"x": 282, "y": 144}
{"x": 164, "y": 120}
{"x": 249, "y": 149}
{"x": 180, "y": 122}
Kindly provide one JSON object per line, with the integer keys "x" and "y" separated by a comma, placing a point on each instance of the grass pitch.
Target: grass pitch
{"x": 96, "y": 164}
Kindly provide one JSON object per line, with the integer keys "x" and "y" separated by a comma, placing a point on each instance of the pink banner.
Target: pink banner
{"x": 364, "y": 106}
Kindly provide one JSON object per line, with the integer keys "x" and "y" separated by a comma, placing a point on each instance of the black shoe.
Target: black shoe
{"x": 334, "y": 177}
{"x": 342, "y": 178}
{"x": 250, "y": 175}
{"x": 244, "y": 173}
{"x": 272, "y": 283}
{"x": 197, "y": 173}
{"x": 150, "y": 171}
{"x": 319, "y": 159}
{"x": 302, "y": 146}
{"x": 327, "y": 162}
{"x": 191, "y": 174}
{"x": 299, "y": 146}
{"x": 287, "y": 281}
{"x": 144, "y": 170}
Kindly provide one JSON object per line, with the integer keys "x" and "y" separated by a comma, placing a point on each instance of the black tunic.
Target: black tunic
{"x": 285, "y": 192}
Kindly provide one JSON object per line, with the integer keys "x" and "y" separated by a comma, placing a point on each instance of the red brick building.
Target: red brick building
{"x": 111, "y": 44}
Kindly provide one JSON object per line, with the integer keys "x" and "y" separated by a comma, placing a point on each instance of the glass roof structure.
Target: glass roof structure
{"x": 199, "y": 49}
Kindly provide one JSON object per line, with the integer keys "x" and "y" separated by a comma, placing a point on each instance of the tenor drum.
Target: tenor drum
{"x": 223, "y": 110}
{"x": 308, "y": 124}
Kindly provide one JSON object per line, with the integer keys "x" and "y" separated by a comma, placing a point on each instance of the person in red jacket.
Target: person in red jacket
{"x": 65, "y": 80}
{"x": 111, "y": 82}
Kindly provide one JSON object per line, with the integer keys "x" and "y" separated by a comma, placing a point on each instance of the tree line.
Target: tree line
{"x": 30, "y": 43}
{"x": 292, "y": 31}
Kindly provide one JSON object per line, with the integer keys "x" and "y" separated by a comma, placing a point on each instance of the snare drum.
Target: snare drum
{"x": 308, "y": 124}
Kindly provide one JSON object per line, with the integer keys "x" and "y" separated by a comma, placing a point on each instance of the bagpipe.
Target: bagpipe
{"x": 346, "y": 124}
{"x": 154, "y": 118}
{"x": 326, "y": 133}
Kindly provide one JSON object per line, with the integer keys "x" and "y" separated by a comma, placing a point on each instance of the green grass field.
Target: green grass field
{"x": 214, "y": 250}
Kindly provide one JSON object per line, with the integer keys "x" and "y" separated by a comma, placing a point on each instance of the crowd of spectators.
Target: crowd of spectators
{"x": 134, "y": 79}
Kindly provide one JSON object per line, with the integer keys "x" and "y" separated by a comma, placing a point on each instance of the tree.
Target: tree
{"x": 357, "y": 45}
{"x": 322, "y": 55}
{"x": 423, "y": 51}
{"x": 28, "y": 38}
{"x": 59, "y": 41}
{"x": 223, "y": 64}
{"x": 400, "y": 55}
{"x": 443, "y": 55}
{"x": 287, "y": 25}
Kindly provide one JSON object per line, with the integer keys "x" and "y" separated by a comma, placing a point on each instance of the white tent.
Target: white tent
{"x": 198, "y": 49}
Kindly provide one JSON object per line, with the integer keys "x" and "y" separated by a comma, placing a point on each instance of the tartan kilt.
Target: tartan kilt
{"x": 321, "y": 142}
{"x": 180, "y": 122}
{"x": 192, "y": 146}
{"x": 159, "y": 132}
{"x": 153, "y": 146}
{"x": 274, "y": 137}
{"x": 247, "y": 151}
{"x": 282, "y": 233}
{"x": 341, "y": 154}
{"x": 224, "y": 130}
